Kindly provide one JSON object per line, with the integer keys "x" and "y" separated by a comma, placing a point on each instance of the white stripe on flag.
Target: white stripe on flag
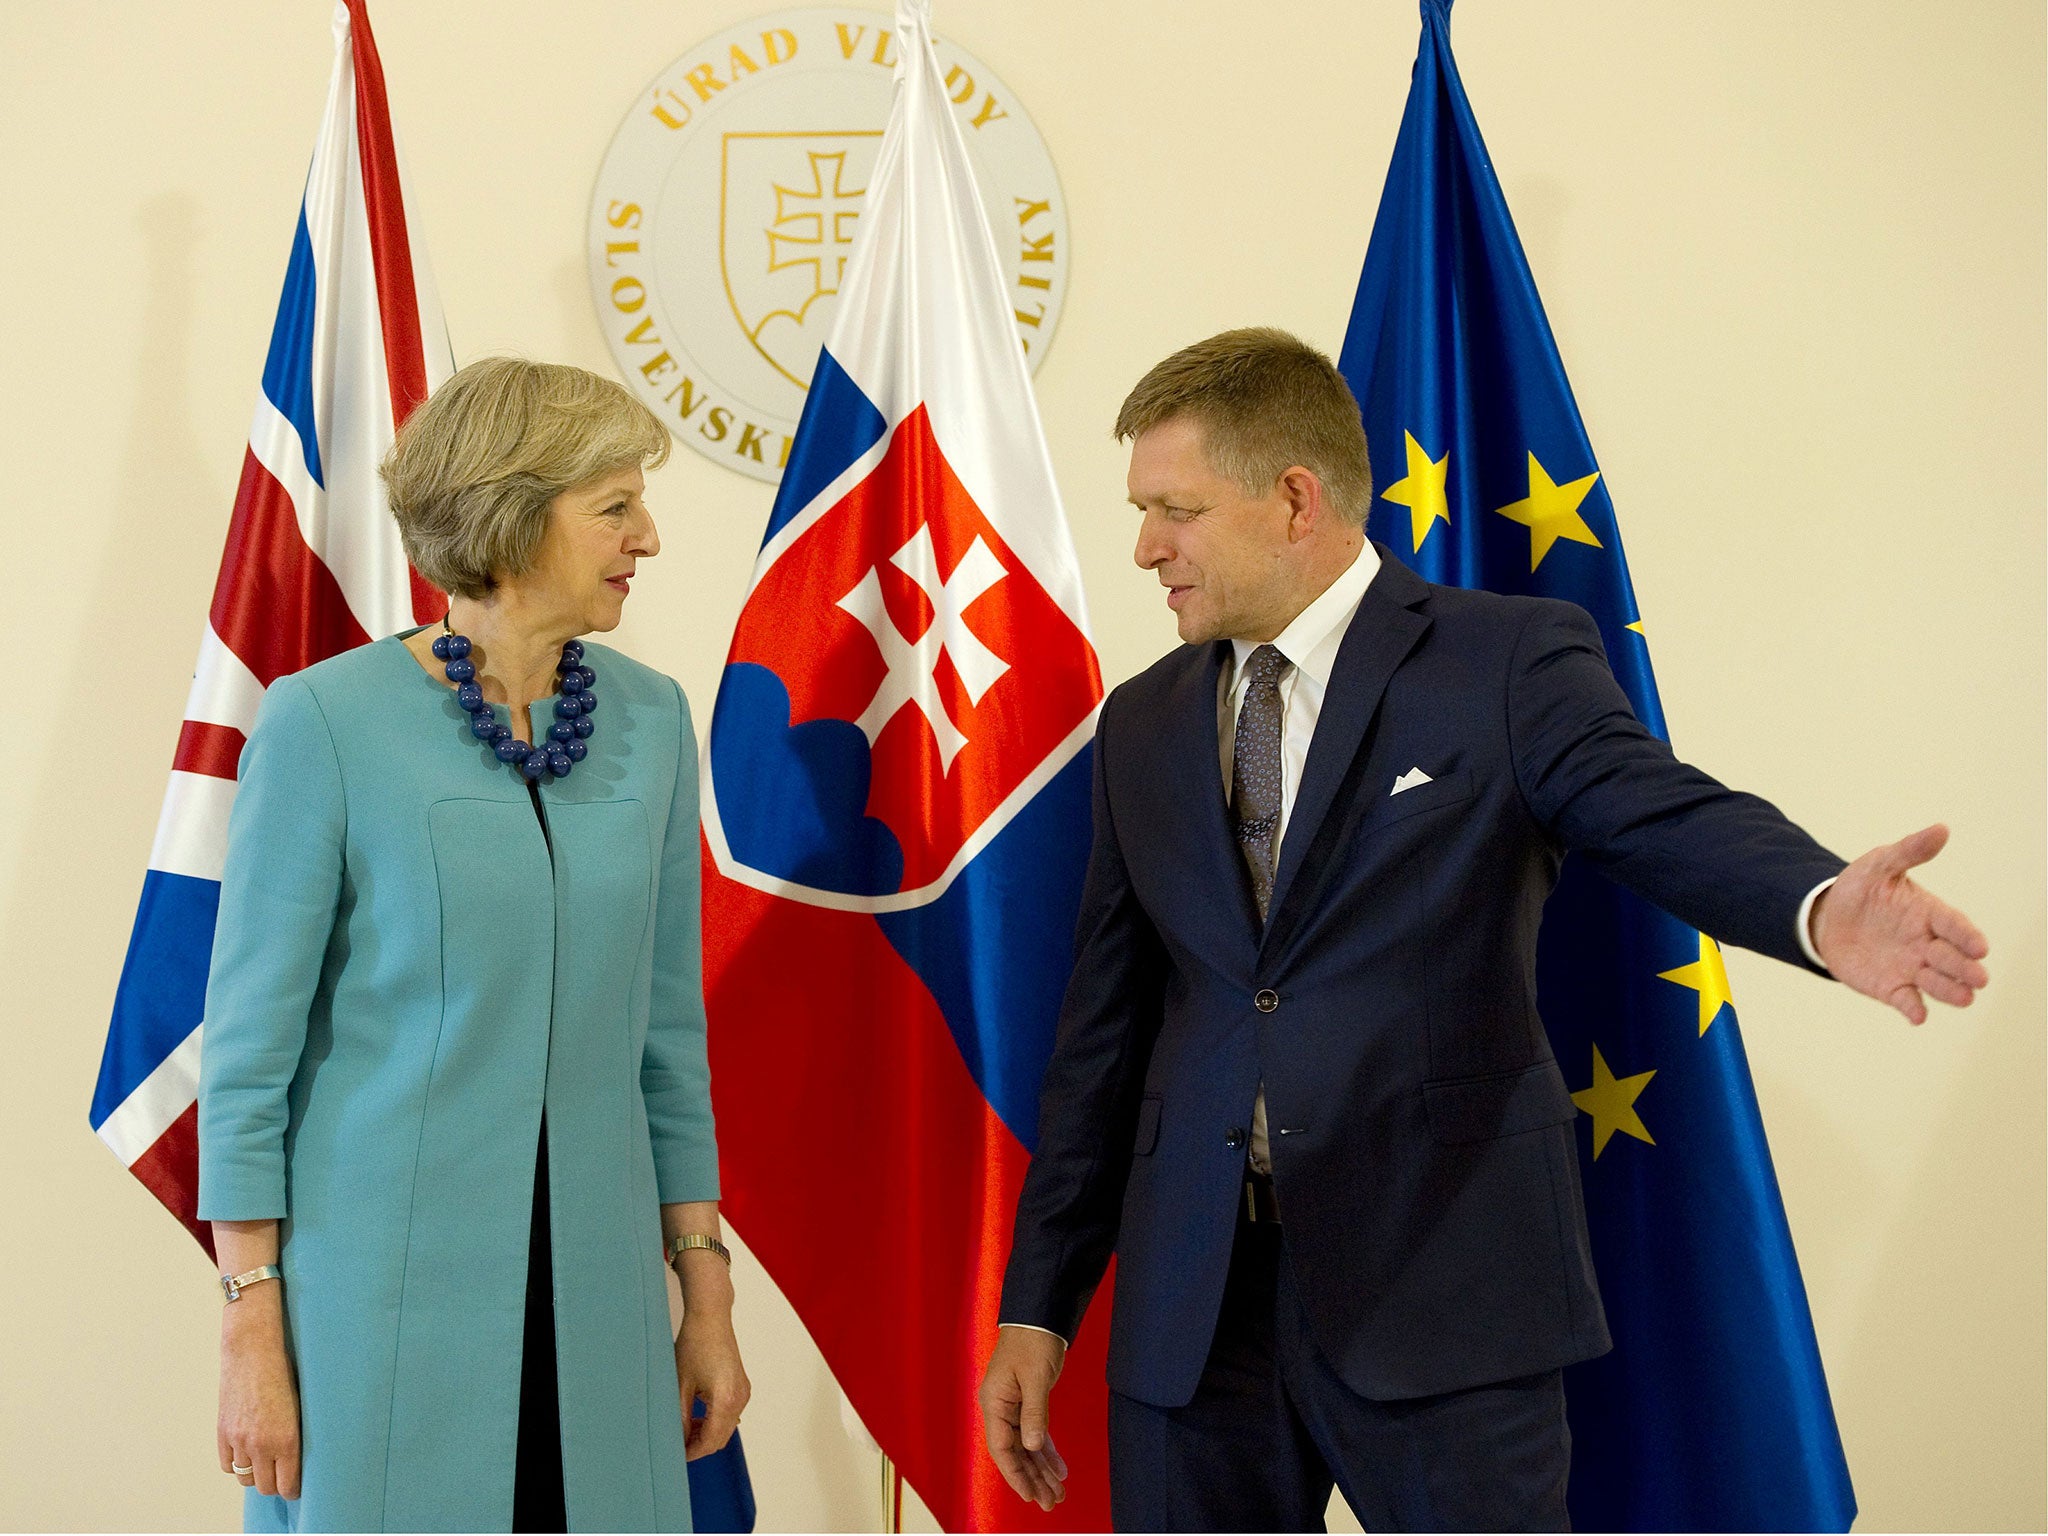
{"x": 275, "y": 442}
{"x": 360, "y": 541}
{"x": 153, "y": 1108}
{"x": 224, "y": 690}
{"x": 350, "y": 528}
{"x": 192, "y": 833}
{"x": 434, "y": 347}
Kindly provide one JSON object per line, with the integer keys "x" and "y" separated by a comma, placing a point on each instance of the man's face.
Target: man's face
{"x": 1223, "y": 556}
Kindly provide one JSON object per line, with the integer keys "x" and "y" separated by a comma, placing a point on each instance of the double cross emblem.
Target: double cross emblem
{"x": 912, "y": 677}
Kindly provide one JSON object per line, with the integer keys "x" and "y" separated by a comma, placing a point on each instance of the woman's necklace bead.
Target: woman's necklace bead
{"x": 566, "y": 741}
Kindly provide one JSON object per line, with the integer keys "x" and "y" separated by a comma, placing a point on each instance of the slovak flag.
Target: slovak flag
{"x": 312, "y": 567}
{"x": 896, "y": 824}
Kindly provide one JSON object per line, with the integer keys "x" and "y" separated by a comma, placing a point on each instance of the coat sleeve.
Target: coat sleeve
{"x": 280, "y": 889}
{"x": 1597, "y": 780}
{"x": 1072, "y": 1201}
{"x": 675, "y": 1075}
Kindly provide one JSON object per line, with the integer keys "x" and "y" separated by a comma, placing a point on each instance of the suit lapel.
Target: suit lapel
{"x": 1382, "y": 633}
{"x": 1191, "y": 769}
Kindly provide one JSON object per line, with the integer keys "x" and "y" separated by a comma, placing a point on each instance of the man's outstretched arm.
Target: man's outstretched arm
{"x": 1727, "y": 862}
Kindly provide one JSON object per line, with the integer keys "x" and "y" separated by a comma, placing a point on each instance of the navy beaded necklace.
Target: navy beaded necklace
{"x": 568, "y": 739}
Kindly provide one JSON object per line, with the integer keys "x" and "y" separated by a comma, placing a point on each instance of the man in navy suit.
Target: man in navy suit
{"x": 1301, "y": 1089}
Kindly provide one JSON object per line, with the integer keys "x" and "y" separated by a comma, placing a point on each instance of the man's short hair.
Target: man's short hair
{"x": 474, "y": 470}
{"x": 1265, "y": 401}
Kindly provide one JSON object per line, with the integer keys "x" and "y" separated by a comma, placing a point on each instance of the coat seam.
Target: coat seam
{"x": 413, "y": 1189}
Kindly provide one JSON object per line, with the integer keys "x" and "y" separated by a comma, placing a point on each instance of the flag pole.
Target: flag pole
{"x": 892, "y": 1497}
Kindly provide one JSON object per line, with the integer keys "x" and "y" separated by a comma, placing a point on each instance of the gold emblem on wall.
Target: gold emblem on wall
{"x": 728, "y": 205}
{"x": 788, "y": 207}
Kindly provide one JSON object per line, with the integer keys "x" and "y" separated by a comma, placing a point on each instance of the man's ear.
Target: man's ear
{"x": 1308, "y": 507}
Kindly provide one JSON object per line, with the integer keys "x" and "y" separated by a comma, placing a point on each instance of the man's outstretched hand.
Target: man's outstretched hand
{"x": 1882, "y": 934}
{"x": 1015, "y": 1394}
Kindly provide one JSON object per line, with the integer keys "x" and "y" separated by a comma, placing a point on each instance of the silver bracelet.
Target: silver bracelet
{"x": 232, "y": 1286}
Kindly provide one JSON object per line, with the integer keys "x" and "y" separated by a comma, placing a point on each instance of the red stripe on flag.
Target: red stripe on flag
{"x": 390, "y": 250}
{"x": 878, "y": 1186}
{"x": 170, "y": 1171}
{"x": 275, "y": 605}
{"x": 214, "y": 750}
{"x": 398, "y": 306}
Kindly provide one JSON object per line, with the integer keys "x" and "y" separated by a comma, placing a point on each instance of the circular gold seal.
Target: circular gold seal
{"x": 727, "y": 206}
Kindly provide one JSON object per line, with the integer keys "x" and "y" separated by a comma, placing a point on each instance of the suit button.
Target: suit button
{"x": 1266, "y": 1001}
{"x": 1234, "y": 1137}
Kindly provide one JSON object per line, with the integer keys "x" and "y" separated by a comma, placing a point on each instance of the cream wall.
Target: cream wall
{"x": 1794, "y": 258}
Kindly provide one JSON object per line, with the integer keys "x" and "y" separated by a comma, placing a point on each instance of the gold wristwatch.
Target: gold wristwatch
{"x": 689, "y": 1240}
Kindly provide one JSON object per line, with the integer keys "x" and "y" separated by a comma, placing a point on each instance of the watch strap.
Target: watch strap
{"x": 678, "y": 1246}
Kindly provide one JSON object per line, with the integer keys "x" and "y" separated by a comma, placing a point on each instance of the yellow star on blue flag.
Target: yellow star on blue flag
{"x": 1551, "y": 511}
{"x": 1611, "y": 1101}
{"x": 1421, "y": 490}
{"x": 1707, "y": 976}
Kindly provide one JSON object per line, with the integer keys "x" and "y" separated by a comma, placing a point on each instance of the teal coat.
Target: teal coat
{"x": 401, "y": 979}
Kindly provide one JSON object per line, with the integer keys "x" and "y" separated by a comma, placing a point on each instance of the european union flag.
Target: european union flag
{"x": 1712, "y": 1412}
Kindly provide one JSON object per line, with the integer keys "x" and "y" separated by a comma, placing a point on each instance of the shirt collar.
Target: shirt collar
{"x": 1312, "y": 640}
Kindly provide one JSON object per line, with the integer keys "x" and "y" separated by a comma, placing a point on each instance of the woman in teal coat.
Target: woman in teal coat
{"x": 453, "y": 1088}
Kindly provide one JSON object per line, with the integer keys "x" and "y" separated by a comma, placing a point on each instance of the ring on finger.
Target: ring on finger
{"x": 241, "y": 1471}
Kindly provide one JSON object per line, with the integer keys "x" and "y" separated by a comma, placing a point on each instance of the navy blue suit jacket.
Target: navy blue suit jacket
{"x": 1422, "y": 1137}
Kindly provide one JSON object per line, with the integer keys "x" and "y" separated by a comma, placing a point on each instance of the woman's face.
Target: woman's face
{"x": 597, "y": 533}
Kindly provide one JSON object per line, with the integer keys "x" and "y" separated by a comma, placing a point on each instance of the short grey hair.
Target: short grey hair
{"x": 474, "y": 470}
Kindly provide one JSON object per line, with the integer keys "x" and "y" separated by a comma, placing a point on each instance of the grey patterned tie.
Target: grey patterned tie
{"x": 1255, "y": 770}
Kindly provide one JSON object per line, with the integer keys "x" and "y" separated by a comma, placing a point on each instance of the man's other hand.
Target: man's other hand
{"x": 1015, "y": 1393}
{"x": 1884, "y": 935}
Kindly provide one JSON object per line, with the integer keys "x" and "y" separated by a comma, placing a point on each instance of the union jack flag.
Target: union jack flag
{"x": 312, "y": 567}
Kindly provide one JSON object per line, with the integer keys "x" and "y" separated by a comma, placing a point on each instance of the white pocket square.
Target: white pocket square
{"x": 1408, "y": 780}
